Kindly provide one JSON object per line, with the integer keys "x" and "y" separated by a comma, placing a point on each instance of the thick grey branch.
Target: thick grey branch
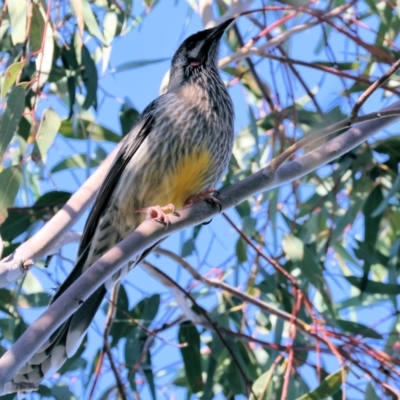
{"x": 150, "y": 232}
{"x": 51, "y": 235}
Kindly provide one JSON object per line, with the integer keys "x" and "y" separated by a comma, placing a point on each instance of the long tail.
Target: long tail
{"x": 65, "y": 341}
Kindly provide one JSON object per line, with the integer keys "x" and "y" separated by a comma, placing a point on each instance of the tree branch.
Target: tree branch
{"x": 150, "y": 232}
{"x": 51, "y": 235}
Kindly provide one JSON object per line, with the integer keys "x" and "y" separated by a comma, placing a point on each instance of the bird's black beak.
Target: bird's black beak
{"x": 218, "y": 31}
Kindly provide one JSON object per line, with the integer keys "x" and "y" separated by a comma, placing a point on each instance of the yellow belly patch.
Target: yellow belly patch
{"x": 187, "y": 178}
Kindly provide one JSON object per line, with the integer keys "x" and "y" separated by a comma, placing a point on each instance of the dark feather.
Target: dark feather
{"x": 130, "y": 145}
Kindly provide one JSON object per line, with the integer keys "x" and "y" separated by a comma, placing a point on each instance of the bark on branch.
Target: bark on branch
{"x": 150, "y": 232}
{"x": 50, "y": 236}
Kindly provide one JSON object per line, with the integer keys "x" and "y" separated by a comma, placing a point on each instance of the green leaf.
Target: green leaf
{"x": 127, "y": 117}
{"x": 85, "y": 129}
{"x": 62, "y": 392}
{"x": 121, "y": 321}
{"x": 254, "y": 129}
{"x": 137, "y": 64}
{"x": 90, "y": 21}
{"x": 70, "y": 63}
{"x": 90, "y": 79}
{"x": 148, "y": 373}
{"x": 342, "y": 66}
{"x": 10, "y": 77}
{"x": 38, "y": 299}
{"x": 24, "y": 128}
{"x": 133, "y": 346}
{"x": 10, "y": 181}
{"x": 241, "y": 250}
{"x": 358, "y": 329}
{"x": 371, "y": 227}
{"x": 75, "y": 161}
{"x": 384, "y": 203}
{"x": 41, "y": 38}
{"x": 260, "y": 386}
{"x": 56, "y": 199}
{"x": 152, "y": 304}
{"x": 370, "y": 393}
{"x": 11, "y": 117}
{"x": 301, "y": 256}
{"x": 389, "y": 289}
{"x": 48, "y": 128}
{"x": 110, "y": 25}
{"x": 191, "y": 355}
{"x": 208, "y": 386}
{"x": 19, "y": 220}
{"x": 37, "y": 29}
{"x": 328, "y": 387}
{"x": 342, "y": 252}
{"x": 15, "y": 224}
{"x": 18, "y": 11}
{"x": 188, "y": 247}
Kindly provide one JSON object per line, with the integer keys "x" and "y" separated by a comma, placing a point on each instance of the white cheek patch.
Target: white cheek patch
{"x": 195, "y": 52}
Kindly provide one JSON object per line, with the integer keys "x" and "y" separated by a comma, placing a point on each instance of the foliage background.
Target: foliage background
{"x": 76, "y": 74}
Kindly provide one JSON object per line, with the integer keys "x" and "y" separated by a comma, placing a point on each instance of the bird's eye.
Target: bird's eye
{"x": 194, "y": 63}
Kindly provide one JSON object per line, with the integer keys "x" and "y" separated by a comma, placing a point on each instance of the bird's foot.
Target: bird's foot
{"x": 158, "y": 213}
{"x": 208, "y": 195}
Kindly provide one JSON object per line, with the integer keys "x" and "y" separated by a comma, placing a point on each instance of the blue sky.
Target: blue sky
{"x": 158, "y": 37}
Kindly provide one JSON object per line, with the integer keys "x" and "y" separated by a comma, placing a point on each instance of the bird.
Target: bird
{"x": 174, "y": 156}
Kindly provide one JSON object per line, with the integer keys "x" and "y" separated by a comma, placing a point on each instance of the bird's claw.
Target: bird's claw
{"x": 158, "y": 213}
{"x": 208, "y": 195}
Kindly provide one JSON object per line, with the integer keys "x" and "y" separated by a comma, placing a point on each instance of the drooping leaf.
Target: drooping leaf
{"x": 90, "y": 21}
{"x": 42, "y": 41}
{"x": 188, "y": 247}
{"x": 37, "y": 29}
{"x": 342, "y": 66}
{"x": 90, "y": 79}
{"x": 71, "y": 66}
{"x": 358, "y": 329}
{"x": 10, "y": 181}
{"x": 11, "y": 117}
{"x": 18, "y": 11}
{"x": 304, "y": 259}
{"x": 261, "y": 385}
{"x": 10, "y": 77}
{"x": 78, "y": 10}
{"x": 390, "y": 289}
{"x": 241, "y": 250}
{"x": 393, "y": 190}
{"x": 127, "y": 117}
{"x": 328, "y": 387}
{"x": 84, "y": 128}
{"x": 61, "y": 391}
{"x": 75, "y": 161}
{"x": 48, "y": 128}
{"x": 147, "y": 369}
{"x": 20, "y": 219}
{"x": 371, "y": 227}
{"x": 110, "y": 25}
{"x": 189, "y": 335}
{"x": 137, "y": 64}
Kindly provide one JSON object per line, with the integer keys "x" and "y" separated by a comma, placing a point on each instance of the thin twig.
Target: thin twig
{"x": 367, "y": 93}
{"x": 106, "y": 347}
{"x": 248, "y": 384}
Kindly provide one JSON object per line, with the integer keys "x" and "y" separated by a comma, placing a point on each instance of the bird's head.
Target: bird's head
{"x": 197, "y": 53}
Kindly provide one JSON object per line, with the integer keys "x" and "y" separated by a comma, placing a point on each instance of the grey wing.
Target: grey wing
{"x": 66, "y": 339}
{"x": 131, "y": 143}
